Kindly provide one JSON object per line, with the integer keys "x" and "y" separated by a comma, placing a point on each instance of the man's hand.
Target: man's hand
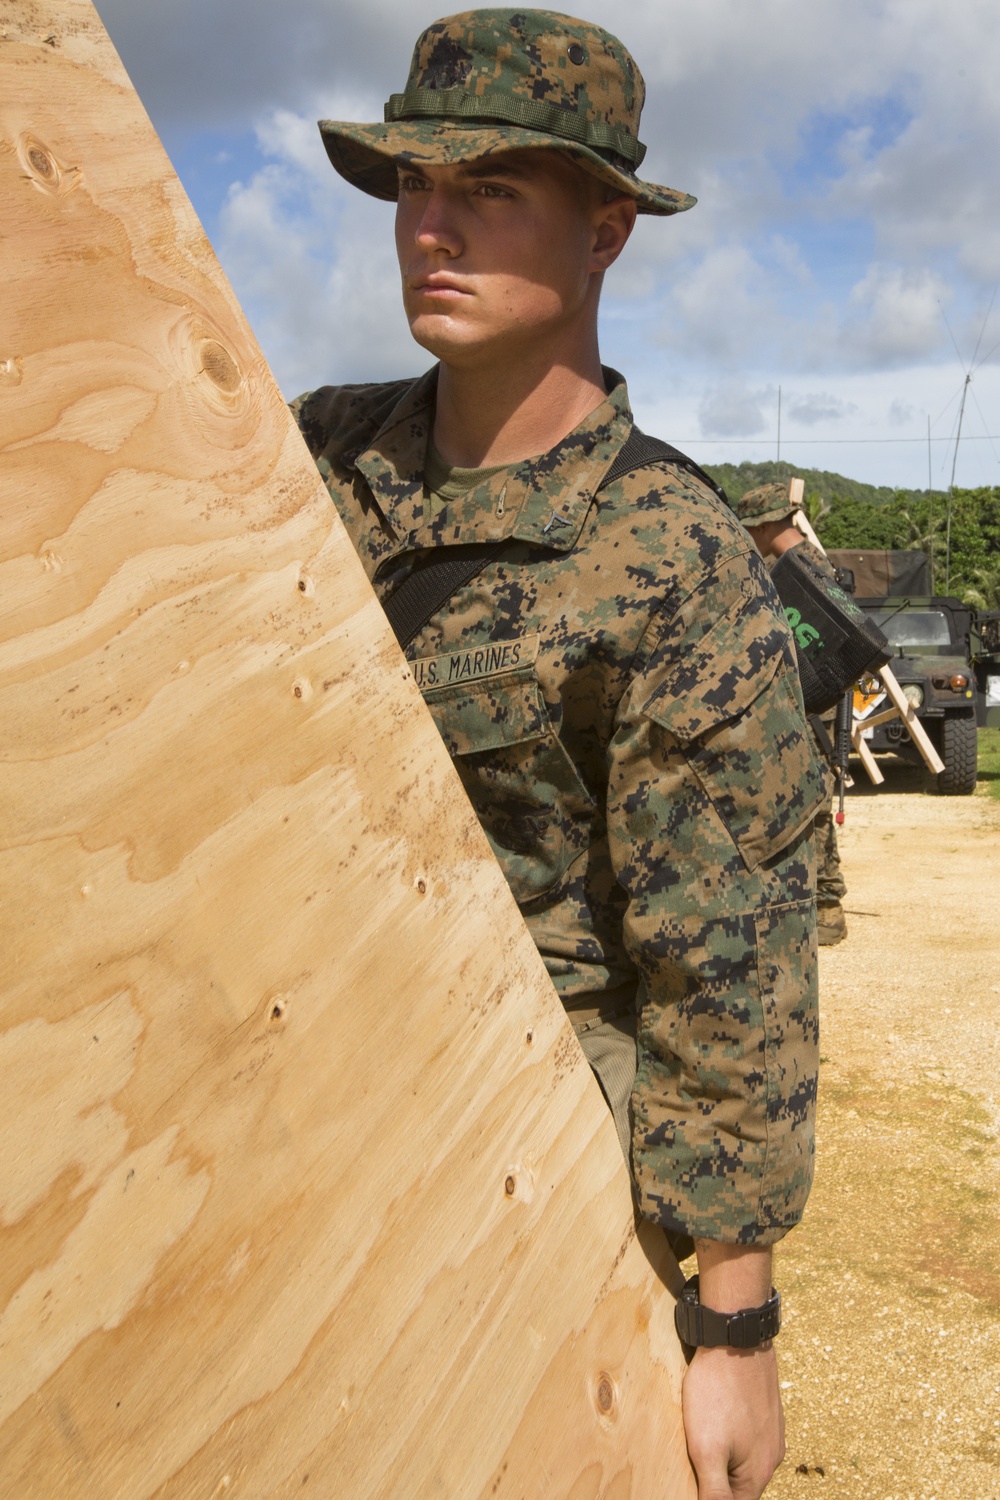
{"x": 733, "y": 1421}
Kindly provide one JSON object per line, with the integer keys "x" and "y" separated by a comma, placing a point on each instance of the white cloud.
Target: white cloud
{"x": 894, "y": 315}
{"x": 319, "y": 318}
{"x": 721, "y": 306}
{"x": 788, "y": 259}
{"x": 731, "y": 409}
{"x": 292, "y": 139}
{"x": 901, "y": 414}
{"x": 811, "y": 409}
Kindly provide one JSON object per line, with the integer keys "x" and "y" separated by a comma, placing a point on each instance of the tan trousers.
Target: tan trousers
{"x": 609, "y": 1047}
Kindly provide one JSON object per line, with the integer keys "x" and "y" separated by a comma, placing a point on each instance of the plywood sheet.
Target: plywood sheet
{"x": 305, "y": 1185}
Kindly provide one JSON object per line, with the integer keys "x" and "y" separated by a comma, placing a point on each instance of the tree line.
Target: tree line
{"x": 847, "y": 513}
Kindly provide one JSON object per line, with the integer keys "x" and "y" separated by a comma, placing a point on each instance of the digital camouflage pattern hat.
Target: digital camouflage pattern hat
{"x": 503, "y": 80}
{"x": 768, "y": 502}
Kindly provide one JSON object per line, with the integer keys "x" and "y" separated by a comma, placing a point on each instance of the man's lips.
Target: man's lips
{"x": 430, "y": 286}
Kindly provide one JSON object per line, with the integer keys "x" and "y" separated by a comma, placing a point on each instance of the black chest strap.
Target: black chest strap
{"x": 442, "y": 572}
{"x": 432, "y": 583}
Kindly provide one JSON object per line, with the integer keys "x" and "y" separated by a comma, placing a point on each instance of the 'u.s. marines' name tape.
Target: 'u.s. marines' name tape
{"x": 474, "y": 662}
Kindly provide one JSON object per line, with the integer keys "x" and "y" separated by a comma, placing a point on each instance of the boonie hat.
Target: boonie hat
{"x": 768, "y": 502}
{"x": 505, "y": 80}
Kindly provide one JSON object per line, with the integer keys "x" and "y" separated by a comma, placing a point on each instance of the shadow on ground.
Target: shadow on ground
{"x": 899, "y": 775}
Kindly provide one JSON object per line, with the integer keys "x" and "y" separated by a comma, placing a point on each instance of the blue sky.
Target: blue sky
{"x": 845, "y": 247}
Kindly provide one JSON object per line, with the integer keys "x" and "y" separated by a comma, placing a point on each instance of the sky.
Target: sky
{"x": 845, "y": 249}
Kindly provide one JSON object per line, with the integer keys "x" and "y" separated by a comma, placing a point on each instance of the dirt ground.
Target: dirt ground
{"x": 890, "y": 1351}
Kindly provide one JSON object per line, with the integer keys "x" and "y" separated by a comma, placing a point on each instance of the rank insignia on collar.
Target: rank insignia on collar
{"x": 555, "y": 521}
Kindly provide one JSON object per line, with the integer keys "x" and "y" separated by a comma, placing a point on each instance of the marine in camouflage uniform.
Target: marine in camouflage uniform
{"x": 617, "y": 688}
{"x": 765, "y": 507}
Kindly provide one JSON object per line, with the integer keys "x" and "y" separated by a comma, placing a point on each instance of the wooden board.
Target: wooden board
{"x": 305, "y": 1185}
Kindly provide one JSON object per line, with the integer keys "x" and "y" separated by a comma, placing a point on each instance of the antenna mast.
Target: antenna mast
{"x": 930, "y": 503}
{"x": 951, "y": 488}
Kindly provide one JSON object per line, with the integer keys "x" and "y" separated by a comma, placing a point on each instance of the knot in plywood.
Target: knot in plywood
{"x": 219, "y": 365}
{"x": 43, "y": 169}
{"x": 606, "y": 1396}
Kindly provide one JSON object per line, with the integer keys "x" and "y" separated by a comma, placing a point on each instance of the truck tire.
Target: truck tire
{"x": 959, "y": 748}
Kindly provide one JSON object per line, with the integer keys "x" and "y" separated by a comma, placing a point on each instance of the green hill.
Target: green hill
{"x": 847, "y": 513}
{"x": 736, "y": 479}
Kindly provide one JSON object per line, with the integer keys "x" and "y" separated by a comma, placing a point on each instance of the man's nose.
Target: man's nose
{"x": 438, "y": 227}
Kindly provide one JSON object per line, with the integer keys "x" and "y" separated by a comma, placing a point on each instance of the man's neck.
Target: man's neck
{"x": 787, "y": 538}
{"x": 502, "y": 415}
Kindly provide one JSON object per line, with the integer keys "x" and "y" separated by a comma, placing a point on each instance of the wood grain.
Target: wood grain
{"x": 305, "y": 1184}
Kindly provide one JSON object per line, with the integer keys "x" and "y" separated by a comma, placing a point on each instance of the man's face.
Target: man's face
{"x": 762, "y": 536}
{"x": 503, "y": 254}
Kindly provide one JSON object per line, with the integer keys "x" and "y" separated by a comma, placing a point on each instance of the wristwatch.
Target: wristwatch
{"x": 703, "y": 1328}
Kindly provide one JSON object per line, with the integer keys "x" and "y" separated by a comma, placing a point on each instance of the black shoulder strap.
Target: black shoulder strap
{"x": 431, "y": 584}
{"x": 640, "y": 450}
{"x": 442, "y": 573}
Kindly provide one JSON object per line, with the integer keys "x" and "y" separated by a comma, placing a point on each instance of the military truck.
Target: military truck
{"x": 940, "y": 661}
{"x": 987, "y": 663}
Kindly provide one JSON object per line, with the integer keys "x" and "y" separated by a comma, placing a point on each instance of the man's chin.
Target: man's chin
{"x": 451, "y": 345}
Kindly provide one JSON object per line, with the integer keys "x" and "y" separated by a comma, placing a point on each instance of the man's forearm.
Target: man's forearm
{"x": 732, "y": 1277}
{"x": 732, "y": 1404}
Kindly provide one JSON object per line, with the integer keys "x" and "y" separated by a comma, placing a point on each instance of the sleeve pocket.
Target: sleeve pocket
{"x": 714, "y": 682}
{"x": 744, "y": 734}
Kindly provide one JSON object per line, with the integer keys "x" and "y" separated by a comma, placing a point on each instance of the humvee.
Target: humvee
{"x": 939, "y": 661}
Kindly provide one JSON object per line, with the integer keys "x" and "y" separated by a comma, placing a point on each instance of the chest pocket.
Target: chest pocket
{"x": 526, "y": 791}
{"x": 749, "y": 745}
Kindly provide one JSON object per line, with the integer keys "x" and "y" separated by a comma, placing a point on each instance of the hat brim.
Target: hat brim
{"x": 779, "y": 513}
{"x": 367, "y": 156}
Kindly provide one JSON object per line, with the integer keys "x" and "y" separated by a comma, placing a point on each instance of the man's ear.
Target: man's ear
{"x": 614, "y": 222}
{"x": 761, "y": 539}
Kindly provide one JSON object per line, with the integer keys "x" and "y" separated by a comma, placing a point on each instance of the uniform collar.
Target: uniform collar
{"x": 543, "y": 501}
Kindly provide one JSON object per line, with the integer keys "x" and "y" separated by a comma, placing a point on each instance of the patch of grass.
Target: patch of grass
{"x": 989, "y": 761}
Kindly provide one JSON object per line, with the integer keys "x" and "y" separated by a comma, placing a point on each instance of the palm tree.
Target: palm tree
{"x": 984, "y": 591}
{"x": 815, "y": 508}
{"x": 921, "y": 534}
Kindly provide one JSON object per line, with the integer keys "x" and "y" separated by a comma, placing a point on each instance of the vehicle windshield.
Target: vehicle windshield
{"x": 916, "y": 627}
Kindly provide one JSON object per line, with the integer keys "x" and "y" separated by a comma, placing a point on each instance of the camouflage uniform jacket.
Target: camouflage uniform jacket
{"x": 619, "y": 694}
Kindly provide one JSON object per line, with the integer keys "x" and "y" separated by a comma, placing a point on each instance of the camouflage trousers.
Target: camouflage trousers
{"x": 830, "y": 885}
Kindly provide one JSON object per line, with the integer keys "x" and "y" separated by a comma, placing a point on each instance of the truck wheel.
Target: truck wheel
{"x": 959, "y": 748}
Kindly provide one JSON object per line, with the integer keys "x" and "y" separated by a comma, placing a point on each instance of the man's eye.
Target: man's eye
{"x": 492, "y": 190}
{"x": 408, "y": 183}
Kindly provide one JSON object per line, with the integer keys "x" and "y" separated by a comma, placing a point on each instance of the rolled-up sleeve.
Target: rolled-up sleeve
{"x": 713, "y": 787}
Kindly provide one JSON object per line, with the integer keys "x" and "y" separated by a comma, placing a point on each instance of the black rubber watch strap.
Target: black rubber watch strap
{"x": 703, "y": 1328}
